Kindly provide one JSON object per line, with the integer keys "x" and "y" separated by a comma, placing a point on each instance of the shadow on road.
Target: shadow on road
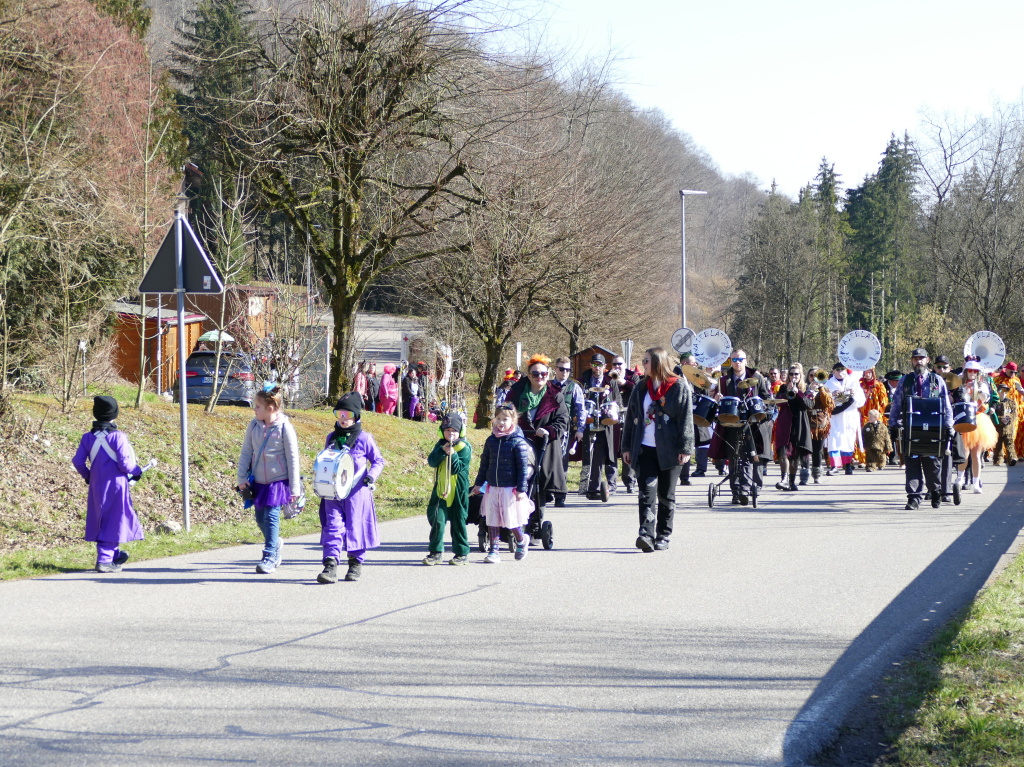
{"x": 932, "y": 599}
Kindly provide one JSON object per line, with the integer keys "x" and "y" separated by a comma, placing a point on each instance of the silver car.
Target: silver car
{"x": 239, "y": 389}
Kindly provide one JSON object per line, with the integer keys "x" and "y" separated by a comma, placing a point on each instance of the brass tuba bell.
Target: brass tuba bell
{"x": 820, "y": 375}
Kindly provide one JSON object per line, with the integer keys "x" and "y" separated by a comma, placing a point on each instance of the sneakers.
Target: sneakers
{"x": 108, "y": 567}
{"x": 976, "y": 487}
{"x": 458, "y": 561}
{"x": 661, "y": 544}
{"x": 832, "y": 472}
{"x": 493, "y": 557}
{"x": 330, "y": 573}
{"x": 912, "y": 503}
{"x": 522, "y": 548}
{"x": 266, "y": 566}
{"x": 121, "y": 558}
{"x": 355, "y": 569}
{"x": 645, "y": 544}
{"x": 781, "y": 485}
{"x": 432, "y": 559}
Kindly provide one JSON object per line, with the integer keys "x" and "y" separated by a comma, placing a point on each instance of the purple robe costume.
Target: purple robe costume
{"x": 351, "y": 525}
{"x": 110, "y": 518}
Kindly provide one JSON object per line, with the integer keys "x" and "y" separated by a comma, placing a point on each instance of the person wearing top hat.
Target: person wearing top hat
{"x": 106, "y": 461}
{"x": 922, "y": 471}
{"x": 892, "y": 378}
{"x": 350, "y": 525}
{"x": 449, "y": 496}
{"x": 599, "y": 386}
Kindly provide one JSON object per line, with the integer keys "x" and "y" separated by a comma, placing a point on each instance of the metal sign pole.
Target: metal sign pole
{"x": 179, "y": 290}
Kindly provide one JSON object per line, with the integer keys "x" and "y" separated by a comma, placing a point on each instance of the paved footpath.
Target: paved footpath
{"x": 743, "y": 644}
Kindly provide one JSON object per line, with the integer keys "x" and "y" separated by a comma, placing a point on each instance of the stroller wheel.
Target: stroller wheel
{"x": 547, "y": 532}
{"x": 753, "y": 496}
{"x": 712, "y": 492}
{"x": 481, "y": 537}
{"x": 604, "y": 491}
{"x": 956, "y": 493}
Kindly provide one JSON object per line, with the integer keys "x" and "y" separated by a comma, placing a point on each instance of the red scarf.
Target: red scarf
{"x": 662, "y": 390}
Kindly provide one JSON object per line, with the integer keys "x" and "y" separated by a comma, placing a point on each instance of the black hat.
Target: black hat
{"x": 104, "y": 408}
{"x": 353, "y": 402}
{"x": 919, "y": 352}
{"x": 893, "y": 375}
{"x": 597, "y": 359}
{"x": 453, "y": 420}
{"x": 839, "y": 366}
{"x": 942, "y": 359}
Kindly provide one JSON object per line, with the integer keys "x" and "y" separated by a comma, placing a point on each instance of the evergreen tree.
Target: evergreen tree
{"x": 885, "y": 245}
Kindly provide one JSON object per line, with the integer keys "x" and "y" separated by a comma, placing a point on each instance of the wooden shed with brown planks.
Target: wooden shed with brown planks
{"x": 161, "y": 341}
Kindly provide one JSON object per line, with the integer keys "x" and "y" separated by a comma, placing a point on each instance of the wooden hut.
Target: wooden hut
{"x": 161, "y": 341}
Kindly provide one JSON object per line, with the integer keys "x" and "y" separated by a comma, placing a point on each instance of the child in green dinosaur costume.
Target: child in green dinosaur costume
{"x": 449, "y": 499}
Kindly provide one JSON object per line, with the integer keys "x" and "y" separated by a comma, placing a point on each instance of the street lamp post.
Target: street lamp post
{"x": 682, "y": 201}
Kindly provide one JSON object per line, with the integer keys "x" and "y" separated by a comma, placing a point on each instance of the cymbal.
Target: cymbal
{"x": 696, "y": 376}
{"x": 953, "y": 381}
{"x": 597, "y": 389}
{"x": 776, "y": 401}
{"x": 748, "y": 382}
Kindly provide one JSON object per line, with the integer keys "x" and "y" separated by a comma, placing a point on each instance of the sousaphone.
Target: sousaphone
{"x": 711, "y": 347}
{"x": 860, "y": 350}
{"x": 988, "y": 348}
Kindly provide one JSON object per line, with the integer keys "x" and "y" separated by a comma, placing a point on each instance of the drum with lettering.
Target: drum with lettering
{"x": 756, "y": 409}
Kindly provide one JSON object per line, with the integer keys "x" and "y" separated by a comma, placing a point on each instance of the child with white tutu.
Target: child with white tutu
{"x": 505, "y": 471}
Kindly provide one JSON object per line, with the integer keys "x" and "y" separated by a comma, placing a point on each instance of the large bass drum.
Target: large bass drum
{"x": 334, "y": 474}
{"x": 923, "y": 427}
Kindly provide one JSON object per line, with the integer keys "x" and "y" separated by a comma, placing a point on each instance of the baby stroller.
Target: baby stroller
{"x": 538, "y": 528}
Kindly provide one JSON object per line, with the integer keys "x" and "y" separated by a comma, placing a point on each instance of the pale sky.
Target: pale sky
{"x": 771, "y": 88}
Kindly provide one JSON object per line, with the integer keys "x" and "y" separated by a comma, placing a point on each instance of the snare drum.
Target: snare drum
{"x": 593, "y": 410}
{"x": 610, "y": 413}
{"x": 965, "y": 416}
{"x": 704, "y": 410}
{"x": 756, "y": 410}
{"x": 923, "y": 427}
{"x": 731, "y": 411}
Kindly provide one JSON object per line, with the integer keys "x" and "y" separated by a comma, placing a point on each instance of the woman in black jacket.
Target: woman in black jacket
{"x": 657, "y": 439}
{"x": 544, "y": 419}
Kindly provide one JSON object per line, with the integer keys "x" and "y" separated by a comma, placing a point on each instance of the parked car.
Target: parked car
{"x": 240, "y": 388}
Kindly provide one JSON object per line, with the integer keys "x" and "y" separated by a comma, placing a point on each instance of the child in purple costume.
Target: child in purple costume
{"x": 110, "y": 518}
{"x": 351, "y": 525}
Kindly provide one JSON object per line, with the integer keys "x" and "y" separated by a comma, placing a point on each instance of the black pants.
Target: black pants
{"x": 817, "y": 452}
{"x": 744, "y": 469}
{"x": 923, "y": 475}
{"x": 655, "y": 486}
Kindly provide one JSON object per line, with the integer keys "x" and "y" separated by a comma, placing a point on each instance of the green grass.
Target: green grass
{"x": 41, "y": 533}
{"x": 960, "y": 701}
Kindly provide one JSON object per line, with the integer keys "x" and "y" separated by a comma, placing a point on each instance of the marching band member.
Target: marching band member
{"x": 844, "y": 435}
{"x": 748, "y": 471}
{"x": 592, "y": 380}
{"x": 1008, "y": 376}
{"x": 985, "y": 436}
{"x": 820, "y": 416}
{"x": 792, "y": 427}
{"x": 574, "y": 398}
{"x": 922, "y": 471}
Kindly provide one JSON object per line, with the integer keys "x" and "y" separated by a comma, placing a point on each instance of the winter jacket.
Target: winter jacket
{"x": 279, "y": 459}
{"x": 673, "y": 424}
{"x": 505, "y": 462}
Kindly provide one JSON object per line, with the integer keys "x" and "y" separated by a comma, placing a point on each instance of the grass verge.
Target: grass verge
{"x": 959, "y": 700}
{"x": 41, "y": 529}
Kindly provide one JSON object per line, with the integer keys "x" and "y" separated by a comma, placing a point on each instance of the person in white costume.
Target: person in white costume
{"x": 845, "y": 433}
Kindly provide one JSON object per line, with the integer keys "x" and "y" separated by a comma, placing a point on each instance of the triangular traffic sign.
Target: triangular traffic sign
{"x": 200, "y": 275}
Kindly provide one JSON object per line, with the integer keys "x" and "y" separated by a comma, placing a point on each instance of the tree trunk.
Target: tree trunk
{"x": 343, "y": 308}
{"x": 488, "y": 382}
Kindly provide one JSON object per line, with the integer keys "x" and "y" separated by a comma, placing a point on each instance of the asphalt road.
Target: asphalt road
{"x": 743, "y": 644}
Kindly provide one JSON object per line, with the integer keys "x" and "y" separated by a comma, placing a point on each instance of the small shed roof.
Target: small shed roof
{"x": 167, "y": 316}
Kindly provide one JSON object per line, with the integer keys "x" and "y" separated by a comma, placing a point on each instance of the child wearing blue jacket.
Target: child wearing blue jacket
{"x": 505, "y": 469}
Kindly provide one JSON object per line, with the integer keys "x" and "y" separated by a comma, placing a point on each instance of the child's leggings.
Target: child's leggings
{"x": 494, "y": 533}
